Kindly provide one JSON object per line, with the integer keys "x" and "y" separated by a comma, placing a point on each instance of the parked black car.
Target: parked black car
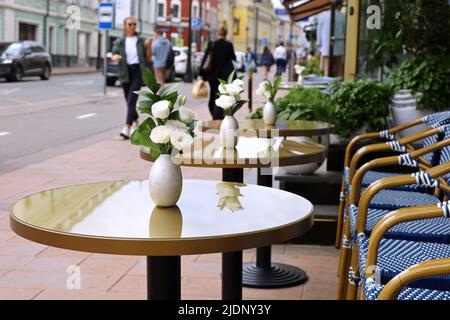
{"x": 112, "y": 71}
{"x": 24, "y": 58}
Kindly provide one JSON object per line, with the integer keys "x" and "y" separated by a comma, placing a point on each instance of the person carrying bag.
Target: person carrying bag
{"x": 217, "y": 64}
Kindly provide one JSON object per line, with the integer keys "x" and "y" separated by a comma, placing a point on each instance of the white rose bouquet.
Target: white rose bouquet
{"x": 169, "y": 126}
{"x": 230, "y": 95}
{"x": 269, "y": 89}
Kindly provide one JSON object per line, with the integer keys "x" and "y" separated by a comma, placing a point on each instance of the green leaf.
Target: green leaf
{"x": 231, "y": 76}
{"x": 150, "y": 81}
{"x": 238, "y": 105}
{"x": 168, "y": 88}
{"x": 172, "y": 97}
{"x": 175, "y": 115}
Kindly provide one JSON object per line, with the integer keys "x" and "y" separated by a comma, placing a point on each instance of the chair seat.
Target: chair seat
{"x": 430, "y": 230}
{"x": 395, "y": 199}
{"x": 372, "y": 176}
{"x": 373, "y": 291}
{"x": 395, "y": 256}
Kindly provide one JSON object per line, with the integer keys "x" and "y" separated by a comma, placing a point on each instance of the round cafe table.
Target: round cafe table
{"x": 282, "y": 128}
{"x": 120, "y": 217}
{"x": 264, "y": 273}
{"x": 254, "y": 153}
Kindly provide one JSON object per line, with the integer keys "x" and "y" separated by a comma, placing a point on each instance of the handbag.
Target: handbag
{"x": 200, "y": 90}
{"x": 208, "y": 64}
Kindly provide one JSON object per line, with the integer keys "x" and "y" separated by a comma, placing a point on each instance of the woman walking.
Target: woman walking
{"x": 131, "y": 51}
{"x": 267, "y": 61}
{"x": 218, "y": 66}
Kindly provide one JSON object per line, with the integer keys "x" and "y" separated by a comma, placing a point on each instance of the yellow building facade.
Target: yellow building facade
{"x": 240, "y": 18}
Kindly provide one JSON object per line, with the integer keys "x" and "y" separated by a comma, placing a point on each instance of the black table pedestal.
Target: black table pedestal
{"x": 164, "y": 278}
{"x": 232, "y": 275}
{"x": 265, "y": 274}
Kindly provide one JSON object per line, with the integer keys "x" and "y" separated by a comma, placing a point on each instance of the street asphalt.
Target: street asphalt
{"x": 39, "y": 119}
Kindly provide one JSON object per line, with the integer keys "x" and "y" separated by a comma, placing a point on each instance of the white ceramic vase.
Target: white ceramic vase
{"x": 165, "y": 181}
{"x": 270, "y": 113}
{"x": 229, "y": 132}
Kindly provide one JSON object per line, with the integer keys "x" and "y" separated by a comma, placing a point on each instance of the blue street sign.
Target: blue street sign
{"x": 196, "y": 24}
{"x": 105, "y": 16}
{"x": 264, "y": 41}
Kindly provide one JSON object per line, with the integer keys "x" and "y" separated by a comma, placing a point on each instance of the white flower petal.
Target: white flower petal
{"x": 161, "y": 109}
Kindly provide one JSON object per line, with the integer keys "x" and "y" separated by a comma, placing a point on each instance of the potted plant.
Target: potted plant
{"x": 302, "y": 104}
{"x": 168, "y": 129}
{"x": 422, "y": 81}
{"x": 360, "y": 106}
{"x": 269, "y": 90}
{"x": 229, "y": 99}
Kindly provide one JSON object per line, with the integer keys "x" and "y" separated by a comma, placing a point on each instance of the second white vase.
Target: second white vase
{"x": 229, "y": 132}
{"x": 165, "y": 181}
{"x": 270, "y": 113}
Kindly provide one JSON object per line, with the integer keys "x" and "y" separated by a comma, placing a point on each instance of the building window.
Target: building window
{"x": 161, "y": 9}
{"x": 27, "y": 31}
{"x": 195, "y": 11}
{"x": 176, "y": 11}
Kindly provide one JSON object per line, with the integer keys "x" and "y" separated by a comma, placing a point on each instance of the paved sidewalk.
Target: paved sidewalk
{"x": 56, "y": 71}
{"x": 32, "y": 271}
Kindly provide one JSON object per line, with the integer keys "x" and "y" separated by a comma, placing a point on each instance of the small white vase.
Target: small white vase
{"x": 229, "y": 132}
{"x": 270, "y": 113}
{"x": 165, "y": 181}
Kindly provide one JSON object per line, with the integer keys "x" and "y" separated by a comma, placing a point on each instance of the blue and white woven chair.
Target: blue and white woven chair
{"x": 407, "y": 269}
{"x": 363, "y": 218}
{"x": 431, "y": 121}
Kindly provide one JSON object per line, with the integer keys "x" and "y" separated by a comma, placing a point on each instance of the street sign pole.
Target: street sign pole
{"x": 188, "y": 76}
{"x": 105, "y": 22}
{"x": 105, "y": 62}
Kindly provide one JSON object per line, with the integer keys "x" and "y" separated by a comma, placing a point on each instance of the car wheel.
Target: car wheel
{"x": 45, "y": 72}
{"x": 18, "y": 74}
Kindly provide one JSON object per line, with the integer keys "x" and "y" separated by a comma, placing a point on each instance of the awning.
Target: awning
{"x": 302, "y": 9}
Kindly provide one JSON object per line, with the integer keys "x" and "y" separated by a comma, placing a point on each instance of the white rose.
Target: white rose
{"x": 261, "y": 91}
{"x": 161, "y": 109}
{"x": 267, "y": 95}
{"x": 222, "y": 89}
{"x": 176, "y": 125}
{"x": 239, "y": 83}
{"x": 225, "y": 102}
{"x": 232, "y": 89}
{"x": 186, "y": 114}
{"x": 180, "y": 139}
{"x": 160, "y": 134}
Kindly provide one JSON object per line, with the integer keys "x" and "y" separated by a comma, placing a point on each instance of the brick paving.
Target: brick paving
{"x": 33, "y": 271}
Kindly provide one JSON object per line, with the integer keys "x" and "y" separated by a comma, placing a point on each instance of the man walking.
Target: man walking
{"x": 280, "y": 56}
{"x": 161, "y": 48}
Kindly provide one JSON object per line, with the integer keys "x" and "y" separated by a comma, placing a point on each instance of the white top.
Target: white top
{"x": 280, "y": 53}
{"x": 323, "y": 33}
{"x": 131, "y": 50}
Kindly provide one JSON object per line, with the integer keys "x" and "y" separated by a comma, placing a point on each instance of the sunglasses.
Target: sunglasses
{"x": 132, "y": 24}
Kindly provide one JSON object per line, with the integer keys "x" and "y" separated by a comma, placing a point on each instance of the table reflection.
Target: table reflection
{"x": 229, "y": 194}
{"x": 166, "y": 222}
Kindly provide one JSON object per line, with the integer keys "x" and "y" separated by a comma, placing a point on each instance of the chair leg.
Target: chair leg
{"x": 353, "y": 283}
{"x": 340, "y": 221}
{"x": 344, "y": 261}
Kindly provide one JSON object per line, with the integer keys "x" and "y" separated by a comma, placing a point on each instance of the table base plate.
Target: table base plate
{"x": 277, "y": 276}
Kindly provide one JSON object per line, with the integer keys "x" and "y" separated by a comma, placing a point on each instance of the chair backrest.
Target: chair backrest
{"x": 435, "y": 120}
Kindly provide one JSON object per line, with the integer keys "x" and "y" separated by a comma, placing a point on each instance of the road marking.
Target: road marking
{"x": 87, "y": 115}
{"x": 5, "y": 92}
{"x": 5, "y": 133}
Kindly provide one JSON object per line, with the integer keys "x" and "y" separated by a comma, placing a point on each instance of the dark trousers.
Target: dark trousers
{"x": 281, "y": 66}
{"x": 216, "y": 112}
{"x": 134, "y": 73}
